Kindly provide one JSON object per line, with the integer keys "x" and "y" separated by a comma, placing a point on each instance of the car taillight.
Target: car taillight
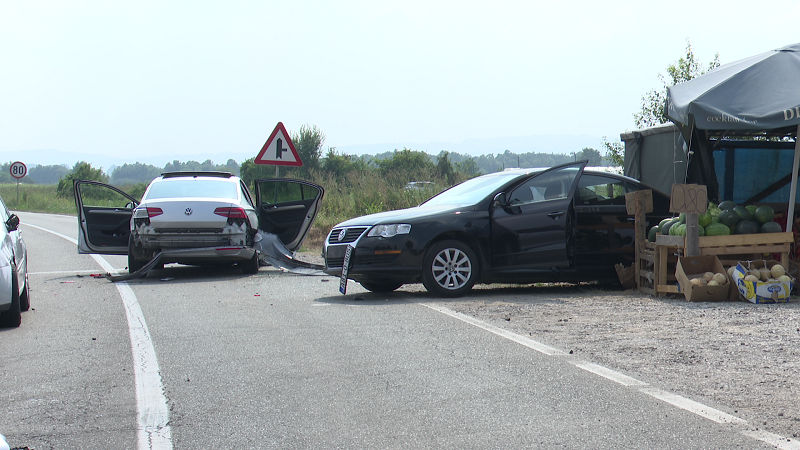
{"x": 152, "y": 212}
{"x": 231, "y": 212}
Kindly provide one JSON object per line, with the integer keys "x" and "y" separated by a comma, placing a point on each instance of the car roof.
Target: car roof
{"x": 195, "y": 174}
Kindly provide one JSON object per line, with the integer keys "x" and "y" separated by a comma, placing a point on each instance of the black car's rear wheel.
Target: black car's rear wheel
{"x": 450, "y": 269}
{"x": 380, "y": 287}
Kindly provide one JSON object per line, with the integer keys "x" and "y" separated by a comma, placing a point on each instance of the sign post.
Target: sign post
{"x": 18, "y": 170}
{"x": 691, "y": 199}
{"x": 279, "y": 150}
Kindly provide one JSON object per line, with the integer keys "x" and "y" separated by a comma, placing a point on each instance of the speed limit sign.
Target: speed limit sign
{"x": 18, "y": 169}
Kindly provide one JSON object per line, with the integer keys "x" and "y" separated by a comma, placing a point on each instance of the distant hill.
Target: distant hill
{"x": 560, "y": 144}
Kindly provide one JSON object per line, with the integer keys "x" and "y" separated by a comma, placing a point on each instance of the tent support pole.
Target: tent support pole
{"x": 793, "y": 191}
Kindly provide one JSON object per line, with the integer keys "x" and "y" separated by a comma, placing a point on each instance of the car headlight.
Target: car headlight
{"x": 389, "y": 230}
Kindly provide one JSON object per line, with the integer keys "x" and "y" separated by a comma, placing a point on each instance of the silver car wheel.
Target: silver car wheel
{"x": 452, "y": 269}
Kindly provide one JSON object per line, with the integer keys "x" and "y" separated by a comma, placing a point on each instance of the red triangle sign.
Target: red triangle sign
{"x": 279, "y": 149}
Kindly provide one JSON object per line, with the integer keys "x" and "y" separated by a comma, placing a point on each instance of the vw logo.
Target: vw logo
{"x": 342, "y": 235}
{"x": 188, "y": 211}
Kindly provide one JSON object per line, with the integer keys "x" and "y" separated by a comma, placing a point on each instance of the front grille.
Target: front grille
{"x": 352, "y": 234}
{"x": 362, "y": 260}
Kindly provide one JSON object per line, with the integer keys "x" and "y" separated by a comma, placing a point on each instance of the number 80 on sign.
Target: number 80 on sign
{"x": 18, "y": 169}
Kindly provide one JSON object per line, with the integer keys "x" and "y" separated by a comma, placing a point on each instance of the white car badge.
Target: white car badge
{"x": 342, "y": 235}
{"x": 188, "y": 211}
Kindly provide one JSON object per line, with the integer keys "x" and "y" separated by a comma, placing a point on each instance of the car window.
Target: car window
{"x": 246, "y": 194}
{"x": 192, "y": 188}
{"x": 600, "y": 190}
{"x": 550, "y": 185}
{"x": 274, "y": 192}
{"x": 98, "y": 195}
{"x": 473, "y": 190}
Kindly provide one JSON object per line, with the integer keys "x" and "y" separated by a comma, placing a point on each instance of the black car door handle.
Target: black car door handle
{"x": 555, "y": 215}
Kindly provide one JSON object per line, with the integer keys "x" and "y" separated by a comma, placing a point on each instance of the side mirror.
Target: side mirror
{"x": 12, "y": 223}
{"x": 499, "y": 200}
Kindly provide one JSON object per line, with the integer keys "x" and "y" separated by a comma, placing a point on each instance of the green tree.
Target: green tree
{"x": 81, "y": 171}
{"x": 593, "y": 156}
{"x": 407, "y": 165}
{"x": 340, "y": 166}
{"x": 134, "y": 173}
{"x": 308, "y": 143}
{"x": 444, "y": 168}
{"x": 615, "y": 152}
{"x": 47, "y": 174}
{"x": 684, "y": 69}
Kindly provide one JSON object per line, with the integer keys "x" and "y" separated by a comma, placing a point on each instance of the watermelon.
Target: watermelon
{"x": 717, "y": 229}
{"x": 746, "y": 227}
{"x": 771, "y": 227}
{"x": 680, "y": 229}
{"x": 752, "y": 209}
{"x": 701, "y": 231}
{"x": 682, "y": 217}
{"x": 663, "y": 222}
{"x": 704, "y": 220}
{"x": 651, "y": 236}
{"x": 713, "y": 210}
{"x": 743, "y": 213}
{"x": 727, "y": 204}
{"x": 665, "y": 228}
{"x": 729, "y": 218}
{"x": 764, "y": 214}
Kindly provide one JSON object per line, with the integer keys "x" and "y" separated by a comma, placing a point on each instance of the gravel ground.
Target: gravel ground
{"x": 740, "y": 357}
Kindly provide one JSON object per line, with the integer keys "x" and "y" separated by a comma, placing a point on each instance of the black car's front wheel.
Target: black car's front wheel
{"x": 450, "y": 269}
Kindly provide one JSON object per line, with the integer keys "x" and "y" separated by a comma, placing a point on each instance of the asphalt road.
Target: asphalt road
{"x": 281, "y": 361}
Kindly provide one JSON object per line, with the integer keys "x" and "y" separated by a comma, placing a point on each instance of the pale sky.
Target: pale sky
{"x": 172, "y": 79}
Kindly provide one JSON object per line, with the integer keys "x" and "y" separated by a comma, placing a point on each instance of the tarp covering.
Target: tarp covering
{"x": 656, "y": 156}
{"x": 757, "y": 93}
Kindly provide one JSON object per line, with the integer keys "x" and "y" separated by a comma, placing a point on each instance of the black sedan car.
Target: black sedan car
{"x": 517, "y": 226}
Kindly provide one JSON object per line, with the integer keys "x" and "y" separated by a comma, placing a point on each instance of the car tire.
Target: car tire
{"x": 13, "y": 317}
{"x": 450, "y": 269}
{"x": 133, "y": 263}
{"x": 250, "y": 266}
{"x": 25, "y": 296}
{"x": 380, "y": 287}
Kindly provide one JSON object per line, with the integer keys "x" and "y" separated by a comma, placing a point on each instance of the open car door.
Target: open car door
{"x": 287, "y": 208}
{"x": 104, "y": 218}
{"x": 534, "y": 226}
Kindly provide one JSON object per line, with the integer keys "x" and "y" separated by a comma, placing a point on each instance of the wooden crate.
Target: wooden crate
{"x": 663, "y": 256}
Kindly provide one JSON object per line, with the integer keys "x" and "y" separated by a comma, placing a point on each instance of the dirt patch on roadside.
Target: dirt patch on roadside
{"x": 737, "y": 356}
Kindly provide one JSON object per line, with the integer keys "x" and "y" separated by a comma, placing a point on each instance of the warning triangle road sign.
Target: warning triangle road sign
{"x": 279, "y": 150}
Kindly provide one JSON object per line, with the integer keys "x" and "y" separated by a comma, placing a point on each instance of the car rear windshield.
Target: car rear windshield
{"x": 192, "y": 187}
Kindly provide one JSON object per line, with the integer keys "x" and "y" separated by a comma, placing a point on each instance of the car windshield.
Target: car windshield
{"x": 472, "y": 191}
{"x": 192, "y": 187}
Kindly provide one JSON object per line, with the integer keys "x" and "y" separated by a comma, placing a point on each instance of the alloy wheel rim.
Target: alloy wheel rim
{"x": 452, "y": 269}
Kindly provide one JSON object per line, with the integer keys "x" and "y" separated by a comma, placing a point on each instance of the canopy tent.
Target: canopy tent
{"x": 756, "y": 97}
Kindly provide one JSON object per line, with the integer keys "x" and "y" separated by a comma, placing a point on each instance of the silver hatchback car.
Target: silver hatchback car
{"x": 194, "y": 218}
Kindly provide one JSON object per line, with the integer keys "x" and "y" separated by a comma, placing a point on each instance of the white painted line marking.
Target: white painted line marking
{"x": 612, "y": 375}
{"x": 519, "y": 339}
{"x": 65, "y": 272}
{"x": 153, "y": 431}
{"x": 692, "y": 406}
{"x": 773, "y": 439}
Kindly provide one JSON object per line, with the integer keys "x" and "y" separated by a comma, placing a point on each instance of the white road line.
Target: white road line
{"x": 153, "y": 431}
{"x": 692, "y": 406}
{"x": 605, "y": 372}
{"x": 527, "y": 342}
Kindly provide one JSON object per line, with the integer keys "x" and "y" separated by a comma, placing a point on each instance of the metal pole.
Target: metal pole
{"x": 17, "y": 192}
{"x": 793, "y": 191}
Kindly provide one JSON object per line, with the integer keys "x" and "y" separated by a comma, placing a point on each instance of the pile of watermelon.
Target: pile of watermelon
{"x": 721, "y": 220}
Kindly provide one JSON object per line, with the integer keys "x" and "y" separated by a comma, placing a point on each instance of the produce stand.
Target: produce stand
{"x": 658, "y": 259}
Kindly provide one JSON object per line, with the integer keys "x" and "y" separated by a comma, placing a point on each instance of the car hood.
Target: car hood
{"x": 403, "y": 215}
